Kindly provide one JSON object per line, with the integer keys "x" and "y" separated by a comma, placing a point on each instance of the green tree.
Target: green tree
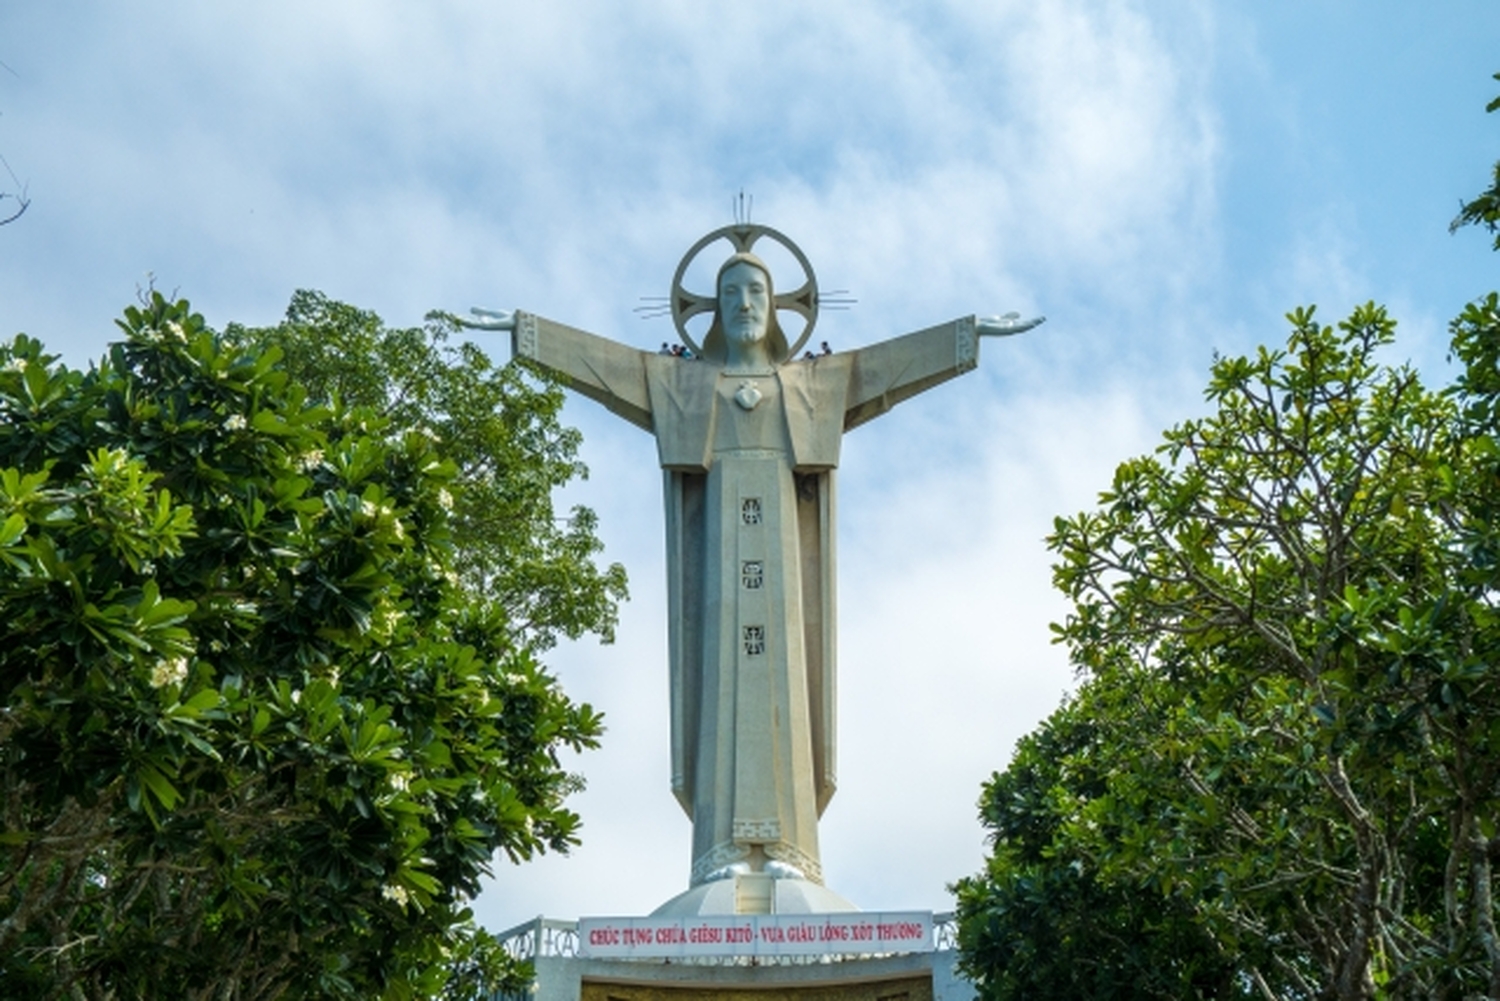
{"x": 501, "y": 430}
{"x": 1485, "y": 209}
{"x": 1042, "y": 922}
{"x": 1285, "y": 753}
{"x": 259, "y": 735}
{"x": 11, "y": 212}
{"x": 1285, "y": 623}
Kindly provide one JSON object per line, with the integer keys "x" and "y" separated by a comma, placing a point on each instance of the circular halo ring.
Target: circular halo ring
{"x": 803, "y": 300}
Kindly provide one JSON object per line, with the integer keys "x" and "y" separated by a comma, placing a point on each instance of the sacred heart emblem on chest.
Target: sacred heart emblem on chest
{"x": 747, "y": 396}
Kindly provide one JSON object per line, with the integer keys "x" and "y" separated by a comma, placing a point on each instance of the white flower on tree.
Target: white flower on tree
{"x": 169, "y": 672}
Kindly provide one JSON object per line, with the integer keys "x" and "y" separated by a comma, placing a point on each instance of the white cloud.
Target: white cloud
{"x": 241, "y": 151}
{"x": 971, "y": 156}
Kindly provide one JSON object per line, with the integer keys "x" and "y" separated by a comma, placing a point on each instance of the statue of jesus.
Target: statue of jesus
{"x": 748, "y": 437}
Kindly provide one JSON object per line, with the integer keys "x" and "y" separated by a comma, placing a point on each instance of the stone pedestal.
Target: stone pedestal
{"x": 754, "y": 893}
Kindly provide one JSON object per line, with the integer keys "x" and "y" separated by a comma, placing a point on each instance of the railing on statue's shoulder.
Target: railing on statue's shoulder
{"x": 543, "y": 938}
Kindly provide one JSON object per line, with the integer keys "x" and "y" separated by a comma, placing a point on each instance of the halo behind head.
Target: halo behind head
{"x": 803, "y": 300}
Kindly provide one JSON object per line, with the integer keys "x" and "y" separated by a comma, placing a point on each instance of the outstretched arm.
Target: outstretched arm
{"x": 884, "y": 374}
{"x": 601, "y": 369}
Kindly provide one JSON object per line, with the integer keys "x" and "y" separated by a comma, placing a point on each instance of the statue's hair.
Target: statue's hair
{"x": 715, "y": 347}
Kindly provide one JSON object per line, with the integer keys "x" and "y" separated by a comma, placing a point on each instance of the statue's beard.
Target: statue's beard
{"x": 745, "y": 334}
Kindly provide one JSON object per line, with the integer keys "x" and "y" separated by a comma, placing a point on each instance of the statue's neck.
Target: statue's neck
{"x": 748, "y": 359}
{"x": 763, "y": 369}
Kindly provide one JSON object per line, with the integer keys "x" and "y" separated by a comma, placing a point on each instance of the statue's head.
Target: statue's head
{"x": 745, "y": 314}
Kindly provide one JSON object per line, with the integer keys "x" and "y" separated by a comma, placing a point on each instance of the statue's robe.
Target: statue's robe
{"x": 750, "y": 562}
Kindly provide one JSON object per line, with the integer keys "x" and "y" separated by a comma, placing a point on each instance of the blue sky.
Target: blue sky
{"x": 1163, "y": 180}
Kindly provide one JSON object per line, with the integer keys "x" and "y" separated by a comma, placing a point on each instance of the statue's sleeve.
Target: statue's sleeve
{"x": 884, "y": 374}
{"x": 596, "y": 367}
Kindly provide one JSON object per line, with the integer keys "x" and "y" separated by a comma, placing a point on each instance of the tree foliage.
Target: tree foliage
{"x": 18, "y": 200}
{"x": 1280, "y": 777}
{"x": 260, "y": 734}
{"x": 499, "y": 428}
{"x": 1286, "y": 621}
{"x": 1046, "y": 926}
{"x": 1485, "y": 209}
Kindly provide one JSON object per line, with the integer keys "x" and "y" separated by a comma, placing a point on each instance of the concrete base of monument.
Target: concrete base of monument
{"x": 919, "y": 977}
{"x": 754, "y": 893}
{"x": 567, "y": 966}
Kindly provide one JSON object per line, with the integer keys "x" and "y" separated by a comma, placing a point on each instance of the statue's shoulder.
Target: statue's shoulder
{"x": 825, "y": 371}
{"x": 681, "y": 371}
{"x": 687, "y": 384}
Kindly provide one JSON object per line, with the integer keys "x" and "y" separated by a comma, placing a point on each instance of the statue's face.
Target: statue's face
{"x": 744, "y": 303}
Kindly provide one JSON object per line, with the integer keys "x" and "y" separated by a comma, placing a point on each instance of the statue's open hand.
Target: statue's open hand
{"x": 489, "y": 319}
{"x": 1004, "y": 326}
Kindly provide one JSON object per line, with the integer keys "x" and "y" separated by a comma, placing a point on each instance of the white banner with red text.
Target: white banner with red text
{"x": 755, "y": 935}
